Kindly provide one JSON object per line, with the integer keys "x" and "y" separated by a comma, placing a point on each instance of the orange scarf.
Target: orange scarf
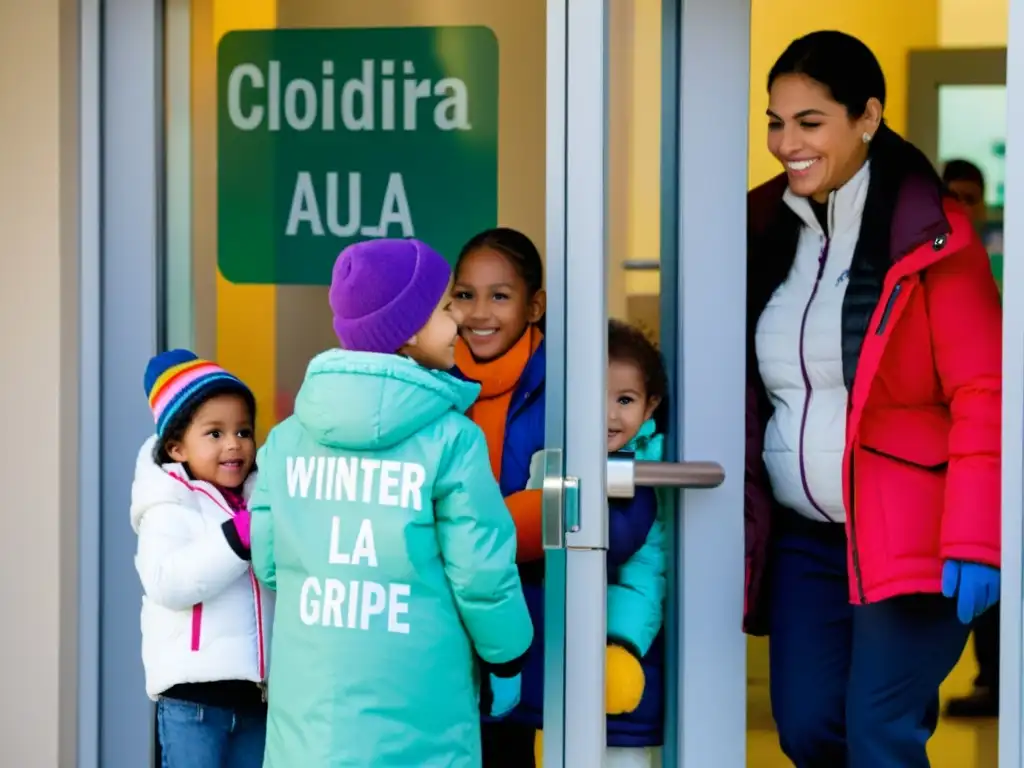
{"x": 498, "y": 379}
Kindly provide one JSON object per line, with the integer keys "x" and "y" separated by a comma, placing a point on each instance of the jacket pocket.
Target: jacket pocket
{"x": 180, "y": 712}
{"x": 900, "y": 499}
{"x": 914, "y": 436}
{"x": 933, "y": 463}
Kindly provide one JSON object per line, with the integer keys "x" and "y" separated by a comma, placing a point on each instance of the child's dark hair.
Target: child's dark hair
{"x": 514, "y": 245}
{"x": 963, "y": 170}
{"x": 628, "y": 344}
{"x": 176, "y": 428}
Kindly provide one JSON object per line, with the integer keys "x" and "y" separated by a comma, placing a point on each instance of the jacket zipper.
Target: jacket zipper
{"x": 889, "y": 304}
{"x": 257, "y": 598}
{"x": 807, "y": 380}
{"x": 261, "y": 662}
{"x": 853, "y": 536}
{"x": 883, "y": 323}
{"x": 197, "y": 610}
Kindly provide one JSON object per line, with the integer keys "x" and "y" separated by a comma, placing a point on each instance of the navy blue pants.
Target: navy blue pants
{"x": 852, "y": 686}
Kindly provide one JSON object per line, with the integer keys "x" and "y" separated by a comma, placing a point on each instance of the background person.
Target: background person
{"x": 967, "y": 183}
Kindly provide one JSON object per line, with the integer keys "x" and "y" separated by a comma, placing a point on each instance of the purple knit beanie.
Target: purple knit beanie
{"x": 384, "y": 291}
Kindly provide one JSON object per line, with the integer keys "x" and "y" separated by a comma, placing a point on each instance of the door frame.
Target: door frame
{"x": 577, "y": 266}
{"x": 1011, "y": 652}
{"x": 930, "y": 69}
{"x": 704, "y": 266}
{"x": 122, "y": 326}
{"x": 89, "y": 677}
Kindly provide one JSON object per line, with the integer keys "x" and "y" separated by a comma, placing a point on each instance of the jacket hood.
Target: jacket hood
{"x": 157, "y": 484}
{"x": 369, "y": 401}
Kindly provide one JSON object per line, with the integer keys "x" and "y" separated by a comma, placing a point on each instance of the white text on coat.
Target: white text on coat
{"x": 385, "y": 482}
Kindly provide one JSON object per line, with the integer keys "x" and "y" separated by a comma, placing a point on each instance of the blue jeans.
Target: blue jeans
{"x": 198, "y": 736}
{"x": 853, "y": 686}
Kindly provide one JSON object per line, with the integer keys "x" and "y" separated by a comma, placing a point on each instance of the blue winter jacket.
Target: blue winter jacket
{"x": 636, "y": 550}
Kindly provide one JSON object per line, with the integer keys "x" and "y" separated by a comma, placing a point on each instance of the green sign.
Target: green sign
{"x": 326, "y": 137}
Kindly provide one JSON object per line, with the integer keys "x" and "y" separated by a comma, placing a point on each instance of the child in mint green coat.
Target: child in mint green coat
{"x": 637, "y": 555}
{"x": 378, "y": 521}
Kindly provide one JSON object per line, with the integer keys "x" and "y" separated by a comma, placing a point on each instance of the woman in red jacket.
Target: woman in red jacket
{"x": 873, "y": 493}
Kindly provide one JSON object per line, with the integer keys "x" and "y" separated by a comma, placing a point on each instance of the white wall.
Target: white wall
{"x": 38, "y": 388}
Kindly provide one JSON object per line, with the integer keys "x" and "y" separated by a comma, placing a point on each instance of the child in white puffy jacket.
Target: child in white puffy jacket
{"x": 205, "y": 618}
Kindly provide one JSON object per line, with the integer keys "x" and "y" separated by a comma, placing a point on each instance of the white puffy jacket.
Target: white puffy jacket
{"x": 800, "y": 357}
{"x": 204, "y": 615}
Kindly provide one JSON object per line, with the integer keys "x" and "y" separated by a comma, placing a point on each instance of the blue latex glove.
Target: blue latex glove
{"x": 975, "y": 586}
{"x": 505, "y": 694}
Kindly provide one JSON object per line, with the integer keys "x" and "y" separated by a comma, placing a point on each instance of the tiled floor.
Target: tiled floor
{"x": 956, "y": 744}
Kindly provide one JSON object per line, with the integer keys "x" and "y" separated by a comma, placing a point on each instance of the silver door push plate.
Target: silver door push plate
{"x": 553, "y": 499}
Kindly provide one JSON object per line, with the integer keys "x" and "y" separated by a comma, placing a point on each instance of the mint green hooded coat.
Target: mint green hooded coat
{"x": 379, "y": 523}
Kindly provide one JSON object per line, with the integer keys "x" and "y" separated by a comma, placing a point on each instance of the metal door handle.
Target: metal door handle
{"x": 624, "y": 475}
{"x": 561, "y": 499}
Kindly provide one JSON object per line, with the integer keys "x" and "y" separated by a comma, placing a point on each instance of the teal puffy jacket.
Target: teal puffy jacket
{"x": 378, "y": 521}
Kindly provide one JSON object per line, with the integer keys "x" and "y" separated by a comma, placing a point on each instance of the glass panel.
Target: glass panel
{"x": 974, "y": 740}
{"x": 972, "y": 126}
{"x": 1011, "y": 737}
{"x": 437, "y": 129}
{"x": 638, "y": 295}
{"x": 439, "y": 171}
{"x": 634, "y": 171}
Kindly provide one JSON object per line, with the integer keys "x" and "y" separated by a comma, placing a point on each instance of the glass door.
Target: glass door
{"x": 532, "y": 117}
{"x": 296, "y": 127}
{"x": 648, "y": 181}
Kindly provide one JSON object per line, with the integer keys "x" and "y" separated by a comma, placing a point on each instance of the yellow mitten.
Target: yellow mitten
{"x": 624, "y": 681}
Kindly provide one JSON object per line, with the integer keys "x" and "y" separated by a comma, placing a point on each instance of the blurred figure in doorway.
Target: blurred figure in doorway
{"x": 967, "y": 183}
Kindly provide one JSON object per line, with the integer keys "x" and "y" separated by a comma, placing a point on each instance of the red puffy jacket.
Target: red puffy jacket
{"x": 923, "y": 439}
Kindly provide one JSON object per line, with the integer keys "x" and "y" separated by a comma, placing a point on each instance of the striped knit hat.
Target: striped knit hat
{"x": 176, "y": 379}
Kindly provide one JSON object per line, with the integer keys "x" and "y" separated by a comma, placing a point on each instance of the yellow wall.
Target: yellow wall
{"x": 973, "y": 23}
{"x": 636, "y": 111}
{"x": 245, "y": 339}
{"x": 890, "y": 27}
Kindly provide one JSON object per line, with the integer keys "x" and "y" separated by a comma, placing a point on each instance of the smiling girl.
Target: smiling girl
{"x": 205, "y": 619}
{"x": 498, "y": 291}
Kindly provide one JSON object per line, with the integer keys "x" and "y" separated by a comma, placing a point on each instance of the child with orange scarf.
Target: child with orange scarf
{"x": 499, "y": 292}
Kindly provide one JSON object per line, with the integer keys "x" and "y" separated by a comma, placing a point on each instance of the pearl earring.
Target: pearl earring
{"x": 866, "y": 138}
